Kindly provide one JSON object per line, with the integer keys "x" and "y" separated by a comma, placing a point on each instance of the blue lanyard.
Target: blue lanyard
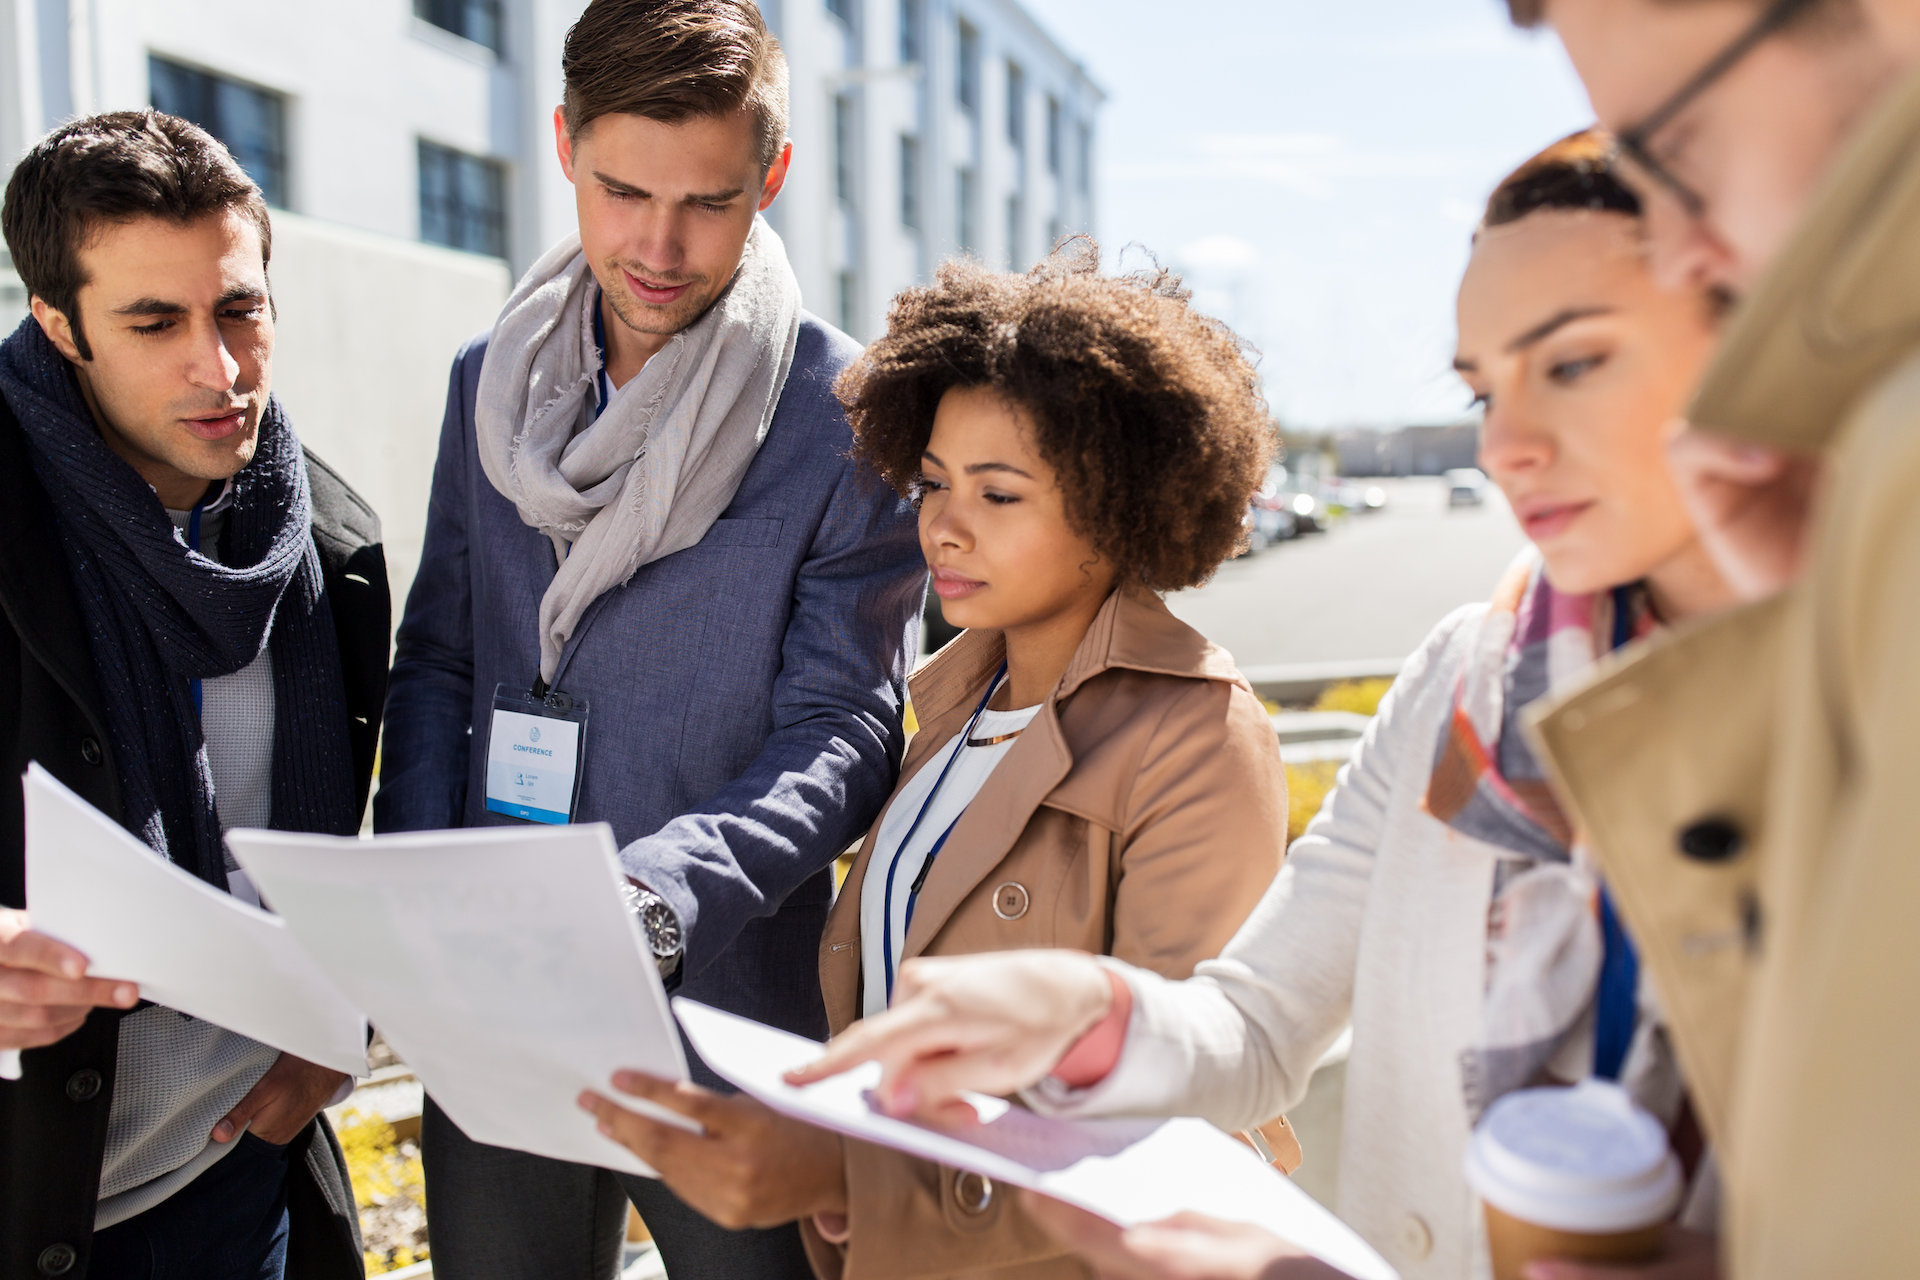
{"x": 602, "y": 393}
{"x": 1615, "y": 1005}
{"x": 193, "y": 544}
{"x": 906, "y": 841}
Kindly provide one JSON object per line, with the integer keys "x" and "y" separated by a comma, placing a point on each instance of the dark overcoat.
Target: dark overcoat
{"x": 53, "y": 1121}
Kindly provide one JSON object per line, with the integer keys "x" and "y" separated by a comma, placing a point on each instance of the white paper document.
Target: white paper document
{"x": 501, "y": 963}
{"x": 189, "y": 946}
{"x": 1126, "y": 1170}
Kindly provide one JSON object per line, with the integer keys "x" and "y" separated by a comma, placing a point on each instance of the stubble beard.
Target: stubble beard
{"x": 658, "y": 321}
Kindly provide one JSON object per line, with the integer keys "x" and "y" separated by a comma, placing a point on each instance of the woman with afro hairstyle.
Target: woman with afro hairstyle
{"x": 1439, "y": 905}
{"x": 1089, "y": 772}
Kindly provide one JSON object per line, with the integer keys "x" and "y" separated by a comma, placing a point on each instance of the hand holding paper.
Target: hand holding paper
{"x": 1127, "y": 1171}
{"x": 137, "y": 917}
{"x": 500, "y": 962}
{"x": 44, "y": 993}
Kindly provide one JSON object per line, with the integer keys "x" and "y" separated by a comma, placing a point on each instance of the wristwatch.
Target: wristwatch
{"x": 660, "y": 923}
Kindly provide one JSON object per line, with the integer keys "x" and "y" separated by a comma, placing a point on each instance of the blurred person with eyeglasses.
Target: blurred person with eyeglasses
{"x": 1761, "y": 838}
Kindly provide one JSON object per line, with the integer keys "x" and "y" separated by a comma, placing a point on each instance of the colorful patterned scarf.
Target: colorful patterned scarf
{"x": 1544, "y": 945}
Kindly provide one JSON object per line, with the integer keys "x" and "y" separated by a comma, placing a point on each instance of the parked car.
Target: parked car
{"x": 1466, "y": 487}
{"x": 1350, "y": 496}
{"x": 1270, "y": 516}
{"x": 1310, "y": 513}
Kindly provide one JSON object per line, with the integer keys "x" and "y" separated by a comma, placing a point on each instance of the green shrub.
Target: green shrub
{"x": 1307, "y": 788}
{"x": 1362, "y": 697}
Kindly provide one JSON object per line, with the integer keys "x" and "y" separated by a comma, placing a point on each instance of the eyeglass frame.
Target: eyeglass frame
{"x": 1634, "y": 142}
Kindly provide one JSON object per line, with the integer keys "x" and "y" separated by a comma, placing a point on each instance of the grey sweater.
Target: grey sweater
{"x": 178, "y": 1075}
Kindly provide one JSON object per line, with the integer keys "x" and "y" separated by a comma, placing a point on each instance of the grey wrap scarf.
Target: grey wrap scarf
{"x": 652, "y": 473}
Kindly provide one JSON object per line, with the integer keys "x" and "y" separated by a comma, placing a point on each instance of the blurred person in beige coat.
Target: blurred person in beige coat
{"x": 1089, "y": 771}
{"x": 1751, "y": 787}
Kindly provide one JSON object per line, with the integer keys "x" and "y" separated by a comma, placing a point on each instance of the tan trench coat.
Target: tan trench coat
{"x": 1752, "y": 785}
{"x": 1142, "y": 814}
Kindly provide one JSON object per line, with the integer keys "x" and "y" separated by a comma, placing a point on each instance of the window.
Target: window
{"x": 909, "y": 182}
{"x": 963, "y": 211}
{"x": 1084, "y": 160}
{"x": 849, "y": 300}
{"x": 1016, "y": 105}
{"x": 968, "y": 86}
{"x": 252, "y": 122}
{"x": 913, "y": 35}
{"x": 477, "y": 20}
{"x": 463, "y": 201}
{"x": 844, "y": 143}
{"x": 845, "y": 10}
{"x": 1053, "y": 135}
{"x": 1016, "y": 217}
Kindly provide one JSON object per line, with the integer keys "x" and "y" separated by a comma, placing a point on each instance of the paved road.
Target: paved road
{"x": 1372, "y": 587}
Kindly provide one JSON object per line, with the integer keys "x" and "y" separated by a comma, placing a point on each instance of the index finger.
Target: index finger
{"x": 22, "y": 948}
{"x": 892, "y": 1038}
{"x": 1722, "y": 457}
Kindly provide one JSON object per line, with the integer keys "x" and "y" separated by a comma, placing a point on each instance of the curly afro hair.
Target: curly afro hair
{"x": 1149, "y": 412}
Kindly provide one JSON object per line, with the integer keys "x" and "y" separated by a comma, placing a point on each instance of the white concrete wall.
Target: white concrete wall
{"x": 367, "y": 326}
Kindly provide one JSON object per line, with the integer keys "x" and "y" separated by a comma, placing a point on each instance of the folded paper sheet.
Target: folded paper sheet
{"x": 500, "y": 962}
{"x": 1127, "y": 1171}
{"x": 188, "y": 945}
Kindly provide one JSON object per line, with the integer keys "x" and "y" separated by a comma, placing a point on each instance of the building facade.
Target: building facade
{"x": 925, "y": 130}
{"x": 417, "y": 119}
{"x": 922, "y": 129}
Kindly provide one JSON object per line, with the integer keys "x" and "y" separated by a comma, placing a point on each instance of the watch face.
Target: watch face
{"x": 662, "y": 926}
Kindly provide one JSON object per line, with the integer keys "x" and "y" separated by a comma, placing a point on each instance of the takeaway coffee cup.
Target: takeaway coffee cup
{"x": 1572, "y": 1173}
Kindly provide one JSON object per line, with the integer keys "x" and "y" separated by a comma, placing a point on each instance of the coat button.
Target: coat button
{"x": 1416, "y": 1237}
{"x": 57, "y": 1259}
{"x": 973, "y": 1192}
{"x": 84, "y": 1085}
{"x": 1010, "y": 900}
{"x": 91, "y": 753}
{"x": 1712, "y": 840}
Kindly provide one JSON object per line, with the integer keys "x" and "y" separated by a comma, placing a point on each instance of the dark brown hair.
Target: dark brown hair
{"x": 1576, "y": 172}
{"x": 115, "y": 168}
{"x": 673, "y": 60}
{"x": 1149, "y": 413}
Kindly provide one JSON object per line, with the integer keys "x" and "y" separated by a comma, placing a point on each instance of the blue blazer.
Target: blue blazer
{"x": 744, "y": 695}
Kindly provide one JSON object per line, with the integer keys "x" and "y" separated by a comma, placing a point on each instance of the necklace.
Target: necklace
{"x": 997, "y": 739}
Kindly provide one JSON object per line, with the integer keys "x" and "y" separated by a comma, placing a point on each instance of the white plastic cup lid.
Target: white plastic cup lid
{"x": 1583, "y": 1159}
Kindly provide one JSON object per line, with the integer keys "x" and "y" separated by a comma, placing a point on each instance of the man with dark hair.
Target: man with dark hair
{"x": 648, "y": 544}
{"x": 1748, "y": 785}
{"x": 196, "y": 639}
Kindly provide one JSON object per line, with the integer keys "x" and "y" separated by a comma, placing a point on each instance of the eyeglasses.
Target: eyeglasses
{"x": 1634, "y": 143}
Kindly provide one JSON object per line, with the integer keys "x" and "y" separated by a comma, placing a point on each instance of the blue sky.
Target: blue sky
{"x": 1315, "y": 167}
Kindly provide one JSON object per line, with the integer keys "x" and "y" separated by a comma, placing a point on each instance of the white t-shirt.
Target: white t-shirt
{"x": 888, "y": 888}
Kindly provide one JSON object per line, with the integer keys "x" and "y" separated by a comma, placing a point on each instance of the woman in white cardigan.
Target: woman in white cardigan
{"x": 1437, "y": 904}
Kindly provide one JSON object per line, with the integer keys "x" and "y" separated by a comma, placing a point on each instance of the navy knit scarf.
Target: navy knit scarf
{"x": 159, "y": 616}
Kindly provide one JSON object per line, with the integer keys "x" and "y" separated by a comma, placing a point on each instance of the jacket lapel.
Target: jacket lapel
{"x": 34, "y": 588}
{"x": 1030, "y": 770}
{"x": 1133, "y": 630}
{"x": 939, "y": 692}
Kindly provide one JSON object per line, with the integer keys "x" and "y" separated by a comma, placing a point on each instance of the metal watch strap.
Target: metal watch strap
{"x": 659, "y": 925}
